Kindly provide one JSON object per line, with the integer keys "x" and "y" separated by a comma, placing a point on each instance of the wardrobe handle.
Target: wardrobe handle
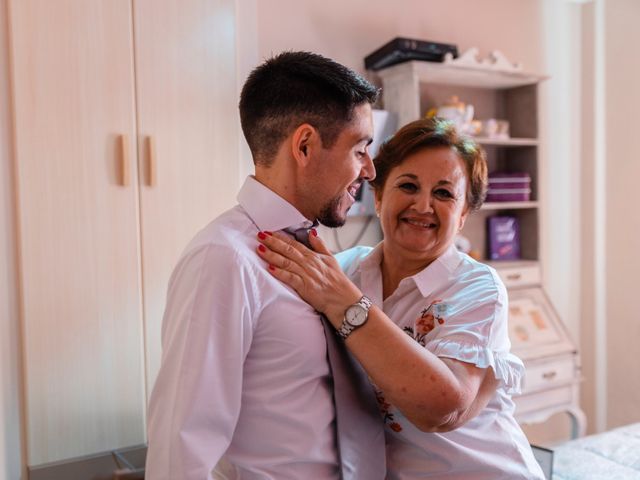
{"x": 151, "y": 162}
{"x": 125, "y": 169}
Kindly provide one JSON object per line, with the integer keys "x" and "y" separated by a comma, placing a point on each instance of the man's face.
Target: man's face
{"x": 338, "y": 172}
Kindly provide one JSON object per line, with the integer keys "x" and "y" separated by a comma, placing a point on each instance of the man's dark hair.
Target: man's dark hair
{"x": 293, "y": 88}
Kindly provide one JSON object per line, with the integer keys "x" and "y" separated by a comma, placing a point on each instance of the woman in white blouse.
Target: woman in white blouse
{"x": 435, "y": 341}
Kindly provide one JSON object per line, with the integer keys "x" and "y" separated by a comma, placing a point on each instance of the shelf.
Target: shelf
{"x": 441, "y": 73}
{"x": 508, "y": 205}
{"x": 501, "y": 264}
{"x": 507, "y": 142}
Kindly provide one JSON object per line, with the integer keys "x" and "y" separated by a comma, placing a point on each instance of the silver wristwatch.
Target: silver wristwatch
{"x": 355, "y": 316}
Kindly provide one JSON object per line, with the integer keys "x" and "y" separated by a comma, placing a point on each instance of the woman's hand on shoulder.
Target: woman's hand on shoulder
{"x": 314, "y": 274}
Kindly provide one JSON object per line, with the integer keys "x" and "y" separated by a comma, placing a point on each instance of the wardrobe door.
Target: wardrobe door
{"x": 188, "y": 135}
{"x": 73, "y": 92}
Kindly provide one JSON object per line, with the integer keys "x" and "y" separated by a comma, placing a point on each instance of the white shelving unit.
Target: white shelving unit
{"x": 511, "y": 142}
{"x": 508, "y": 205}
{"x": 409, "y": 90}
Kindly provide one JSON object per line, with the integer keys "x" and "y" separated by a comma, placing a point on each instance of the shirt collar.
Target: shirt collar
{"x": 373, "y": 260}
{"x": 427, "y": 280}
{"x": 438, "y": 272}
{"x": 268, "y": 210}
{"x": 371, "y": 274}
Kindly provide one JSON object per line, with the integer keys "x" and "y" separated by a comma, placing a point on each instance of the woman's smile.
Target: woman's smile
{"x": 421, "y": 224}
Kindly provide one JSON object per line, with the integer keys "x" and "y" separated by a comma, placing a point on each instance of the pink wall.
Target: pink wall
{"x": 622, "y": 106}
{"x": 10, "y": 429}
{"x": 348, "y": 30}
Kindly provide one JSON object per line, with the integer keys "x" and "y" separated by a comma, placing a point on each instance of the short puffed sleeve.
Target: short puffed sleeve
{"x": 471, "y": 326}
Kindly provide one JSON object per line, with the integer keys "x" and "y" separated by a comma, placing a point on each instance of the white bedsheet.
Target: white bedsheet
{"x": 613, "y": 455}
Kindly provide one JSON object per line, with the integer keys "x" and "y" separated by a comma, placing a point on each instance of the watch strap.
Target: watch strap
{"x": 346, "y": 328}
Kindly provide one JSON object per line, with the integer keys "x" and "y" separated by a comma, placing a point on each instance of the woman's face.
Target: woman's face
{"x": 422, "y": 205}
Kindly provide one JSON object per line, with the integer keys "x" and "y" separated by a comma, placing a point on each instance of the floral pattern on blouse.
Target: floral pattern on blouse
{"x": 386, "y": 414}
{"x": 429, "y": 318}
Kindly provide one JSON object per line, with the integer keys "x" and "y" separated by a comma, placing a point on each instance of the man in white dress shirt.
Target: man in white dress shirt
{"x": 245, "y": 382}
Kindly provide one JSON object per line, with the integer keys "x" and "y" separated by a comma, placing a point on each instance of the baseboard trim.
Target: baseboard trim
{"x": 100, "y": 466}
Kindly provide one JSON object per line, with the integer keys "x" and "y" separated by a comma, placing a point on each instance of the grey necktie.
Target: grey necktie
{"x": 301, "y": 234}
{"x": 359, "y": 424}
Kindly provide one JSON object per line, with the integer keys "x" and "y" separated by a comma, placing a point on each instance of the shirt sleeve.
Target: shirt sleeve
{"x": 350, "y": 259}
{"x": 472, "y": 327}
{"x": 206, "y": 334}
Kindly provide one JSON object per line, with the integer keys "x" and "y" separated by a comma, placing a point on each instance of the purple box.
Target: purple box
{"x": 509, "y": 187}
{"x": 509, "y": 179}
{"x": 503, "y": 238}
{"x": 522, "y": 195}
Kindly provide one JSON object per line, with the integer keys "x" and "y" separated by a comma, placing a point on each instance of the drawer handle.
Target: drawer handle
{"x": 514, "y": 276}
{"x": 549, "y": 375}
{"x": 152, "y": 174}
{"x": 125, "y": 169}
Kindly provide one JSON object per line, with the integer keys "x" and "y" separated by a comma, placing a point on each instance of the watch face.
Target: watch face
{"x": 356, "y": 315}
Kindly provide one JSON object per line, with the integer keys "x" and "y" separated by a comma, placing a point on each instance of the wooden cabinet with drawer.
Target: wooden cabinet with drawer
{"x": 518, "y": 274}
{"x": 550, "y": 372}
{"x": 540, "y": 339}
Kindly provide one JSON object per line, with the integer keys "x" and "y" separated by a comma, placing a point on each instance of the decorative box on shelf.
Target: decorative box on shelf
{"x": 509, "y": 187}
{"x": 504, "y": 237}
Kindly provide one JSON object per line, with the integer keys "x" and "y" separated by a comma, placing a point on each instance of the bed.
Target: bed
{"x": 612, "y": 455}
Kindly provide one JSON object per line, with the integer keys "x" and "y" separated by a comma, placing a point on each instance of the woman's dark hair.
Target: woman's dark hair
{"x": 432, "y": 133}
{"x": 293, "y": 88}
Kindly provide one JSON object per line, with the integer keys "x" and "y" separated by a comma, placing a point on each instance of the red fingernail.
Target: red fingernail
{"x": 269, "y": 233}
{"x": 314, "y": 232}
{"x": 272, "y": 268}
{"x": 261, "y": 248}
{"x": 261, "y": 236}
